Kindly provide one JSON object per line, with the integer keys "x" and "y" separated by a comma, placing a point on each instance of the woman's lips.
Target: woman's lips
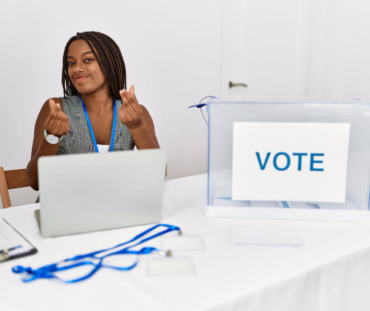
{"x": 80, "y": 79}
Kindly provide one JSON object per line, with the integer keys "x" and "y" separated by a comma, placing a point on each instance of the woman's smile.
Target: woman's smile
{"x": 80, "y": 79}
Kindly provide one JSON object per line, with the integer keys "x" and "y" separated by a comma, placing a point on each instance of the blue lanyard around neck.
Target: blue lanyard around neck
{"x": 48, "y": 271}
{"x": 91, "y": 130}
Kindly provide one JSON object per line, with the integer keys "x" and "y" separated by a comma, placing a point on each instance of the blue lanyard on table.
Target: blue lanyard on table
{"x": 91, "y": 130}
{"x": 48, "y": 272}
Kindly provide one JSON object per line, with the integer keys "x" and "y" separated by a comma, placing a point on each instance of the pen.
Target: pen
{"x": 10, "y": 249}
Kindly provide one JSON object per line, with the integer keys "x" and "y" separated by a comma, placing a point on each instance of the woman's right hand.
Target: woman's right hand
{"x": 57, "y": 122}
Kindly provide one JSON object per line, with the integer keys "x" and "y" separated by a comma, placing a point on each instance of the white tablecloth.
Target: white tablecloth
{"x": 330, "y": 272}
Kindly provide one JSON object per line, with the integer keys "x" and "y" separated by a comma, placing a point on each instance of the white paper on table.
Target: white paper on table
{"x": 10, "y": 238}
{"x": 259, "y": 148}
{"x": 170, "y": 266}
{"x": 266, "y": 235}
{"x": 182, "y": 243}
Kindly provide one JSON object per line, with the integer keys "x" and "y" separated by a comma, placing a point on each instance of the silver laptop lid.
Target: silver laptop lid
{"x": 90, "y": 192}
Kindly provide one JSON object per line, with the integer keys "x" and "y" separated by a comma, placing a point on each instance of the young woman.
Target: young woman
{"x": 97, "y": 113}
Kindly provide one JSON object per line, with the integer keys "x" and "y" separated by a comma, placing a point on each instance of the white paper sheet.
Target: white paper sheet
{"x": 290, "y": 161}
{"x": 9, "y": 238}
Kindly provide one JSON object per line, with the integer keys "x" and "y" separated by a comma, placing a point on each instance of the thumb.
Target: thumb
{"x": 132, "y": 90}
{"x": 52, "y": 104}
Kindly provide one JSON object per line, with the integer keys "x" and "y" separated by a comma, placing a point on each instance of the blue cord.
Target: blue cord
{"x": 200, "y": 105}
{"x": 48, "y": 271}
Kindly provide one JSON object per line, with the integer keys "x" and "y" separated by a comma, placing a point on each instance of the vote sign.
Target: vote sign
{"x": 290, "y": 161}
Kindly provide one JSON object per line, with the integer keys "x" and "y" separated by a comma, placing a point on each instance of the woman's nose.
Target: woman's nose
{"x": 79, "y": 67}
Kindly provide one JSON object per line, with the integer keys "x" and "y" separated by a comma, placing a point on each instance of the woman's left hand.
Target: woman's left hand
{"x": 130, "y": 112}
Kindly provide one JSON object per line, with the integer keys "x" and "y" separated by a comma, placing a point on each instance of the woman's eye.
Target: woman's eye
{"x": 69, "y": 64}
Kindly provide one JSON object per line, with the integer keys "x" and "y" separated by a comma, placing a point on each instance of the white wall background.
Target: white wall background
{"x": 338, "y": 57}
{"x": 314, "y": 48}
{"x": 172, "y": 51}
{"x": 177, "y": 52}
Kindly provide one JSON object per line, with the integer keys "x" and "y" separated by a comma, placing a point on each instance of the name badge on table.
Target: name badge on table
{"x": 290, "y": 161}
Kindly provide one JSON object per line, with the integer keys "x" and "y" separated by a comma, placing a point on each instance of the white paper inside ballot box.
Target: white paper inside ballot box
{"x": 290, "y": 161}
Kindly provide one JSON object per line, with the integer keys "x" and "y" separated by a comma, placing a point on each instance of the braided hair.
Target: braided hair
{"x": 109, "y": 58}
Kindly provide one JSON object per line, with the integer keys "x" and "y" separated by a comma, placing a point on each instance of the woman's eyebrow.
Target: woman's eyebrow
{"x": 88, "y": 52}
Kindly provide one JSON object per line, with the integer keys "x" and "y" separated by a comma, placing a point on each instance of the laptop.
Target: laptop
{"x": 91, "y": 192}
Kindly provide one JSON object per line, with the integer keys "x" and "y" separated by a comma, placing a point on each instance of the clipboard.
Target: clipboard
{"x": 12, "y": 244}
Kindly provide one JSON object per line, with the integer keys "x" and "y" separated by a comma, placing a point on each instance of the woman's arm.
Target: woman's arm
{"x": 138, "y": 121}
{"x": 54, "y": 120}
{"x": 144, "y": 134}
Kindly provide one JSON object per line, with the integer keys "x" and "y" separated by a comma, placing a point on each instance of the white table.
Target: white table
{"x": 330, "y": 272}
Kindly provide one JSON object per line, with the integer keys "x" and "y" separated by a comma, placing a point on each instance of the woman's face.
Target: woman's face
{"x": 83, "y": 68}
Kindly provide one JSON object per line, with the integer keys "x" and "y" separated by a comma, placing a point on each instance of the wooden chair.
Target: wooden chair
{"x": 11, "y": 180}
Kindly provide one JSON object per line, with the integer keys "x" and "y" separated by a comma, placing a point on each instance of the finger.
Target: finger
{"x": 62, "y": 125}
{"x": 132, "y": 90}
{"x": 131, "y": 100}
{"x": 129, "y": 113}
{"x": 127, "y": 106}
{"x": 52, "y": 116}
{"x": 52, "y": 104}
{"x": 64, "y": 129}
{"x": 122, "y": 116}
{"x": 65, "y": 123}
{"x": 121, "y": 94}
{"x": 136, "y": 104}
{"x": 58, "y": 118}
{"x": 125, "y": 100}
{"x": 59, "y": 111}
{"x": 56, "y": 125}
{"x": 53, "y": 108}
{"x": 134, "y": 114}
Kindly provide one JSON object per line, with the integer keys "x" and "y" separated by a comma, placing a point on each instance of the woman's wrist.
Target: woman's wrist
{"x": 47, "y": 149}
{"x": 51, "y": 138}
{"x": 142, "y": 137}
{"x": 137, "y": 126}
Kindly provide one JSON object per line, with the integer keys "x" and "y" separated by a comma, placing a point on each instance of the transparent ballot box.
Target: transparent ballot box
{"x": 288, "y": 160}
